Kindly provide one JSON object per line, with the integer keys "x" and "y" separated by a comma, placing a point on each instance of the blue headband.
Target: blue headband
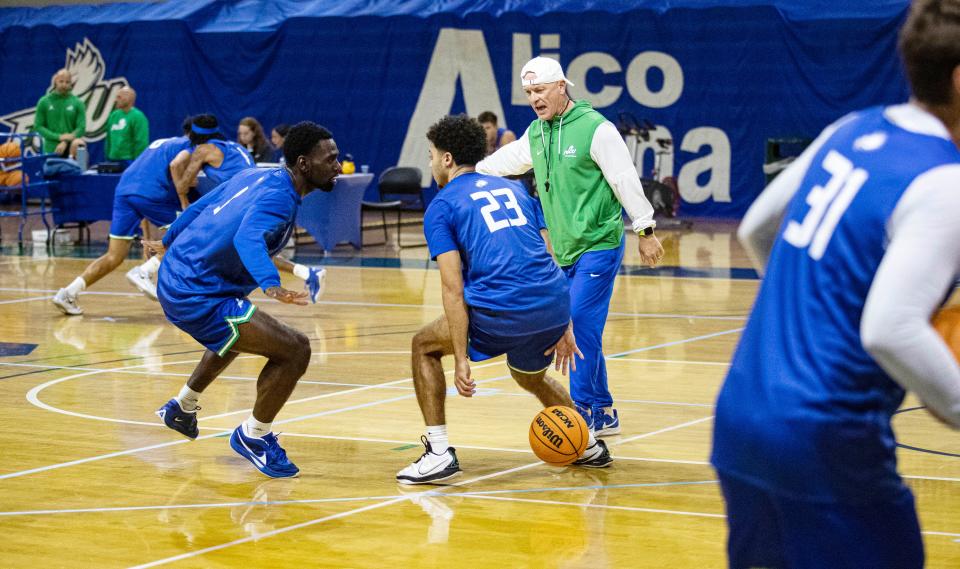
{"x": 203, "y": 130}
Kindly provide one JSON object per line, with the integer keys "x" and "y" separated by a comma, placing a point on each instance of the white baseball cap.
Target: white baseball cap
{"x": 545, "y": 70}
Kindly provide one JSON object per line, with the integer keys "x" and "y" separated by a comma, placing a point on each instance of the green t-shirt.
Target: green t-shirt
{"x": 128, "y": 134}
{"x": 59, "y": 114}
{"x": 580, "y": 208}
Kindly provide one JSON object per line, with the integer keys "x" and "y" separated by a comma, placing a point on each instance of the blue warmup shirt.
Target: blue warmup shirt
{"x": 222, "y": 246}
{"x": 235, "y": 159}
{"x": 805, "y": 411}
{"x": 507, "y": 272}
{"x": 149, "y": 175}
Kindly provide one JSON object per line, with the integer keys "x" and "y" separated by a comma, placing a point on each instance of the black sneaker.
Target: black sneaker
{"x": 596, "y": 456}
{"x": 430, "y": 467}
{"x": 179, "y": 420}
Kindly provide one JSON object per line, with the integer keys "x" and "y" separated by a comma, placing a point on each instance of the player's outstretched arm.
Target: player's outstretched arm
{"x": 455, "y": 308}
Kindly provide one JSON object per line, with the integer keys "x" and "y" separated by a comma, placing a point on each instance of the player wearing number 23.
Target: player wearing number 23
{"x": 860, "y": 242}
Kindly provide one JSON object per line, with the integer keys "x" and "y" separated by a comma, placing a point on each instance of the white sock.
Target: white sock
{"x": 591, "y": 440}
{"x": 188, "y": 399}
{"x": 254, "y": 428}
{"x": 152, "y": 266}
{"x": 74, "y": 288}
{"x": 301, "y": 271}
{"x": 437, "y": 437}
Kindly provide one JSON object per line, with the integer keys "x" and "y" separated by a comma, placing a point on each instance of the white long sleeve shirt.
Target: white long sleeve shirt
{"x": 920, "y": 265}
{"x": 608, "y": 151}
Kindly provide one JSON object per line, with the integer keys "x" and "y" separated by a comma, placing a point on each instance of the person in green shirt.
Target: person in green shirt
{"x": 585, "y": 178}
{"x": 128, "y": 131}
{"x": 61, "y": 118}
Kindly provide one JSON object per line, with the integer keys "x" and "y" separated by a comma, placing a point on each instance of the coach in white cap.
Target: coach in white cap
{"x": 584, "y": 175}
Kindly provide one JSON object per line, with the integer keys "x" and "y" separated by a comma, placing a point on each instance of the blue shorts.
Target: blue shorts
{"x": 524, "y": 353}
{"x": 130, "y": 209}
{"x": 775, "y": 531}
{"x": 213, "y": 322}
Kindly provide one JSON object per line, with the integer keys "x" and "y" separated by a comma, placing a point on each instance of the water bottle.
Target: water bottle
{"x": 83, "y": 159}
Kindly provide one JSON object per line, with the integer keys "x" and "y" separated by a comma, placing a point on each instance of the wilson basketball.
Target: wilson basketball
{"x": 947, "y": 324}
{"x": 558, "y": 435}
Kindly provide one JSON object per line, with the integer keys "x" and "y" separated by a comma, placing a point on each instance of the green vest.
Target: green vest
{"x": 580, "y": 208}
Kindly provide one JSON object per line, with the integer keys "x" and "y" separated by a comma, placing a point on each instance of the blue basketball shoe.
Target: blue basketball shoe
{"x": 586, "y": 413}
{"x": 316, "y": 283}
{"x": 179, "y": 420}
{"x": 264, "y": 453}
{"x": 605, "y": 424}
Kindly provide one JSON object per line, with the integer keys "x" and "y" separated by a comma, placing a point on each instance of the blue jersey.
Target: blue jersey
{"x": 149, "y": 175}
{"x": 507, "y": 271}
{"x": 235, "y": 159}
{"x": 805, "y": 411}
{"x": 222, "y": 246}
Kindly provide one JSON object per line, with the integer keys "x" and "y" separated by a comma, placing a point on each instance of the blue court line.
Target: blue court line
{"x": 434, "y": 493}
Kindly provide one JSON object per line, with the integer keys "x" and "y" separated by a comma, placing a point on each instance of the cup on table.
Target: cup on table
{"x": 365, "y": 168}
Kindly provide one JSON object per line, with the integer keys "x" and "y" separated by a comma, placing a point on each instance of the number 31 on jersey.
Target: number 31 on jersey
{"x": 827, "y": 204}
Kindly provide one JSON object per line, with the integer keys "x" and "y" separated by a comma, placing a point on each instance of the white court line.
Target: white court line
{"x": 431, "y": 492}
{"x": 601, "y": 506}
{"x": 680, "y": 362}
{"x": 677, "y": 316}
{"x": 675, "y": 343}
{"x": 32, "y": 396}
{"x": 25, "y": 299}
{"x": 320, "y": 520}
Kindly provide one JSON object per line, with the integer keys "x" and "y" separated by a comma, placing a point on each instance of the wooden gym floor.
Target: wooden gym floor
{"x": 90, "y": 477}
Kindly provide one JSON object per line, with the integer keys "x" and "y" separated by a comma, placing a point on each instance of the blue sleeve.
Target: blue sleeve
{"x": 438, "y": 229}
{"x": 538, "y": 213}
{"x": 270, "y": 214}
{"x": 191, "y": 213}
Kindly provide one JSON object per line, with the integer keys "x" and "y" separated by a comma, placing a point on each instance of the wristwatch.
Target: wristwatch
{"x": 645, "y": 232}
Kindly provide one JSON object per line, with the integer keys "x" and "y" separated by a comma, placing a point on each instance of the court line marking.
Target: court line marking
{"x": 316, "y": 521}
{"x": 681, "y": 362}
{"x": 359, "y": 510}
{"x": 32, "y": 397}
{"x": 25, "y": 299}
{"x": 394, "y": 305}
{"x": 600, "y": 506}
{"x": 110, "y": 509}
{"x": 676, "y": 342}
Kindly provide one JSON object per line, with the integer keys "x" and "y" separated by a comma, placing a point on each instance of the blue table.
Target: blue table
{"x": 83, "y": 197}
{"x": 334, "y": 217}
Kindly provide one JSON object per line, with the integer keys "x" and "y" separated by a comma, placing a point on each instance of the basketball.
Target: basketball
{"x": 947, "y": 324}
{"x": 558, "y": 435}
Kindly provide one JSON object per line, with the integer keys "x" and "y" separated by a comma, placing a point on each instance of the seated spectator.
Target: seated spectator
{"x": 277, "y": 136}
{"x": 250, "y": 136}
{"x": 128, "y": 131}
{"x": 496, "y": 137}
{"x": 61, "y": 117}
